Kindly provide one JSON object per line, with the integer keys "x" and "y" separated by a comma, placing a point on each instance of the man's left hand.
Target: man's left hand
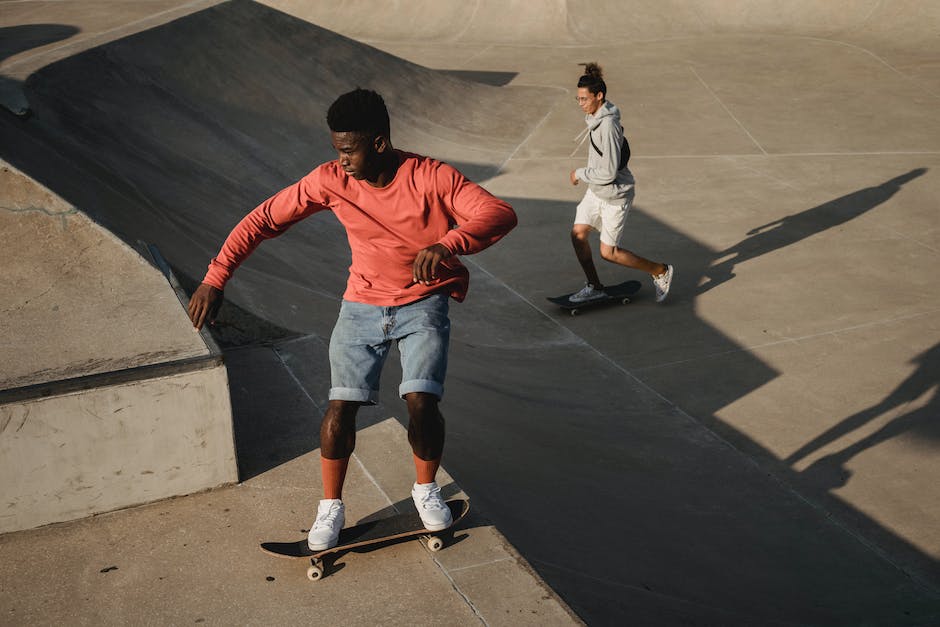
{"x": 425, "y": 266}
{"x": 574, "y": 177}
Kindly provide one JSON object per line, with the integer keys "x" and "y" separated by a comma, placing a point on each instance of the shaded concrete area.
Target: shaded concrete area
{"x": 758, "y": 450}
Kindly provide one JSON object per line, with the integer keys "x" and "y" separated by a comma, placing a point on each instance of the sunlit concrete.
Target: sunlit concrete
{"x": 759, "y": 449}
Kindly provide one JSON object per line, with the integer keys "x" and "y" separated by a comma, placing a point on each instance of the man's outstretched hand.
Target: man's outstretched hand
{"x": 425, "y": 266}
{"x": 204, "y": 305}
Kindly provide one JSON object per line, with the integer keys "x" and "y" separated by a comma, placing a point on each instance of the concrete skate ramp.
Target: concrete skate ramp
{"x": 185, "y": 126}
{"x": 696, "y": 462}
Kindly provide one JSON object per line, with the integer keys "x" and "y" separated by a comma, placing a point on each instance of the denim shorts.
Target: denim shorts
{"x": 364, "y": 334}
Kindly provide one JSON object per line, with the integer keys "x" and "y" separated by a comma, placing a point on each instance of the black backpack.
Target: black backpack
{"x": 624, "y": 151}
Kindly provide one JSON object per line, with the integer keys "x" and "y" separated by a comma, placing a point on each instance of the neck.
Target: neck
{"x": 386, "y": 168}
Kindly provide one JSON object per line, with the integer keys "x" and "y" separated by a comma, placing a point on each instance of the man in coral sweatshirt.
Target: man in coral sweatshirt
{"x": 407, "y": 218}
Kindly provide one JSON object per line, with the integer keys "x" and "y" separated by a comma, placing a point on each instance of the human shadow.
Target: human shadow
{"x": 620, "y": 498}
{"x": 830, "y": 472}
{"x": 790, "y": 229}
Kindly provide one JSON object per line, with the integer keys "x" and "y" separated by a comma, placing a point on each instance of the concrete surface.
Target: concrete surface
{"x": 119, "y": 403}
{"x": 196, "y": 560}
{"x": 758, "y": 450}
{"x": 94, "y": 301}
{"x": 112, "y": 446}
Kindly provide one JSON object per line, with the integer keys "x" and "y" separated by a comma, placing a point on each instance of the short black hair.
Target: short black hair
{"x": 359, "y": 111}
{"x": 593, "y": 78}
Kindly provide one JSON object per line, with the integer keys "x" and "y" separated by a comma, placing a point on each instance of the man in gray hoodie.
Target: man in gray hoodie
{"x": 610, "y": 192}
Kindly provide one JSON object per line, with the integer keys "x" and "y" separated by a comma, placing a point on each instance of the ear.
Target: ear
{"x": 601, "y": 94}
{"x": 380, "y": 144}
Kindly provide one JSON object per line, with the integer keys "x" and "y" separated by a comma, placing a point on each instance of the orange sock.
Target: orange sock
{"x": 426, "y": 469}
{"x": 334, "y": 474}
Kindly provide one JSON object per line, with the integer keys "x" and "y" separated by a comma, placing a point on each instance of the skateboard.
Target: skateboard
{"x": 621, "y": 291}
{"x": 398, "y": 527}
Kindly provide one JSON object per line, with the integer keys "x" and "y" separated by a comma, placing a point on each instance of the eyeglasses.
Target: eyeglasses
{"x": 582, "y": 99}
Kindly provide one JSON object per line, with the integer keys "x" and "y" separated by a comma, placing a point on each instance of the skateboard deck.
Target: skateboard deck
{"x": 398, "y": 527}
{"x": 620, "y": 292}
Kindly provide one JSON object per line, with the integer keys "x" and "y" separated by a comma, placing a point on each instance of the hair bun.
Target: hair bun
{"x": 593, "y": 70}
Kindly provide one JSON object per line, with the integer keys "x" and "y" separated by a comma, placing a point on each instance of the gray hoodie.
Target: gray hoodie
{"x": 601, "y": 173}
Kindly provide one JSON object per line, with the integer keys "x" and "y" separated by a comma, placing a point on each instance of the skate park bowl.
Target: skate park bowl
{"x": 760, "y": 449}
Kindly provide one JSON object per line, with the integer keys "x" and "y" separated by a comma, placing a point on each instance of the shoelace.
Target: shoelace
{"x": 428, "y": 500}
{"x": 326, "y": 519}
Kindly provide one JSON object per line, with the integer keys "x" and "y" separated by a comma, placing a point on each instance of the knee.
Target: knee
{"x": 340, "y": 413}
{"x": 608, "y": 253}
{"x": 423, "y": 413}
{"x": 579, "y": 235}
{"x": 422, "y": 406}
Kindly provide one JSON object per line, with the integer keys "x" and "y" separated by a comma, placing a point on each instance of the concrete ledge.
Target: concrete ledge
{"x": 69, "y": 456}
{"x": 112, "y": 400}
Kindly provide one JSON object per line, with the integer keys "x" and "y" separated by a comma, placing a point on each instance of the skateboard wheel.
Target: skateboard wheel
{"x": 435, "y": 544}
{"x": 314, "y": 573}
{"x": 574, "y": 312}
{"x": 625, "y": 301}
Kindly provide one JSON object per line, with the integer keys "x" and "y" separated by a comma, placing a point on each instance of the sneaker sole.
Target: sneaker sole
{"x": 439, "y": 527}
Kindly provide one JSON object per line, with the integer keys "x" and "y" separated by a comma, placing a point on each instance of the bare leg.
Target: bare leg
{"x": 337, "y": 441}
{"x": 626, "y": 258}
{"x": 425, "y": 426}
{"x": 426, "y": 435}
{"x": 338, "y": 430}
{"x": 582, "y": 249}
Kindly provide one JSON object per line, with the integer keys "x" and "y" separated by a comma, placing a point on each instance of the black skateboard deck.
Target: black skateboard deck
{"x": 399, "y": 527}
{"x": 621, "y": 292}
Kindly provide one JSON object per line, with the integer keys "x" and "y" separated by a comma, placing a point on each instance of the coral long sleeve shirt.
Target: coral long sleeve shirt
{"x": 428, "y": 202}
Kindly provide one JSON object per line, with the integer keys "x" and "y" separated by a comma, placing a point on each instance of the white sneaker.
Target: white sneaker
{"x": 331, "y": 516}
{"x": 662, "y": 283}
{"x": 587, "y": 293}
{"x": 431, "y": 507}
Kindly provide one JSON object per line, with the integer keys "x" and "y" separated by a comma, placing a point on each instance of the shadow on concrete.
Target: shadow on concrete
{"x": 627, "y": 504}
{"x": 554, "y": 419}
{"x": 791, "y": 229}
{"x": 236, "y": 327}
{"x": 172, "y": 134}
{"x": 17, "y": 39}
{"x": 496, "y": 79}
{"x": 830, "y": 472}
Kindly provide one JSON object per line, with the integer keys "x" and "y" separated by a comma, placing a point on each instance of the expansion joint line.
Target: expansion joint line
{"x": 727, "y": 110}
{"x": 362, "y": 466}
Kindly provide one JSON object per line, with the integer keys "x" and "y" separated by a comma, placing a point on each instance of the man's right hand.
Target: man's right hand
{"x": 204, "y": 305}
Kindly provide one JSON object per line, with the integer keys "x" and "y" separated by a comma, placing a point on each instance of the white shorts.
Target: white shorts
{"x": 606, "y": 216}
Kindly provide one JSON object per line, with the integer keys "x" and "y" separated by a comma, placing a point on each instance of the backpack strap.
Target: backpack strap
{"x": 624, "y": 150}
